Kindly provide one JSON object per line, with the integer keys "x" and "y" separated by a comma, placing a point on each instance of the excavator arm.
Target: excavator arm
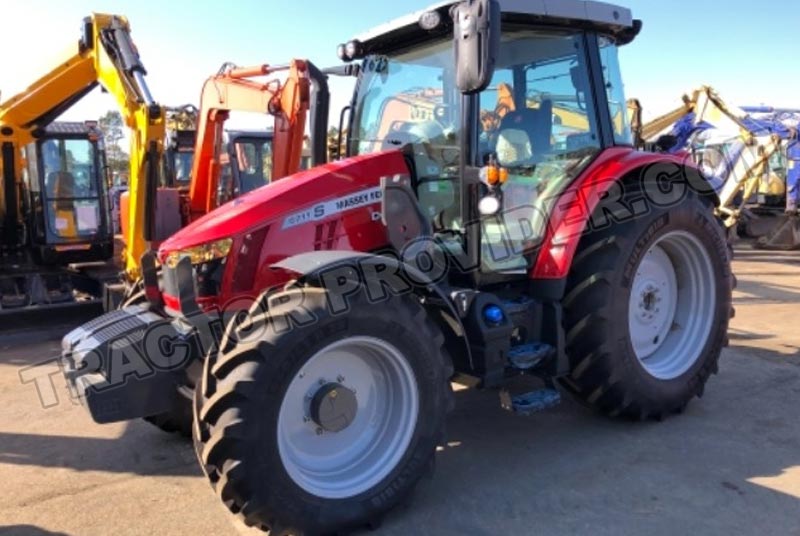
{"x": 233, "y": 88}
{"x": 104, "y": 55}
{"x": 705, "y": 105}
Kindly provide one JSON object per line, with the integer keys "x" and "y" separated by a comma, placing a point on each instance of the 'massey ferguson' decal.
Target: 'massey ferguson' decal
{"x": 323, "y": 210}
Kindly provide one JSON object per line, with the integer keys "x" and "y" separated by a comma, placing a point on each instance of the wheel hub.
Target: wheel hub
{"x": 671, "y": 307}
{"x": 333, "y": 407}
{"x": 653, "y": 302}
{"x": 339, "y": 437}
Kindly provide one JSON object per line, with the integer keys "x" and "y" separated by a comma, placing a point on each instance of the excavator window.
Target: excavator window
{"x": 183, "y": 167}
{"x": 254, "y": 160}
{"x": 69, "y": 170}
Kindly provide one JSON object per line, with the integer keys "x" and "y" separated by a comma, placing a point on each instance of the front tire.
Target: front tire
{"x": 326, "y": 426}
{"x": 646, "y": 311}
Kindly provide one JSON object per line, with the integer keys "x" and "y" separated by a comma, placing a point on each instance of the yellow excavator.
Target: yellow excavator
{"x": 730, "y": 144}
{"x": 104, "y": 55}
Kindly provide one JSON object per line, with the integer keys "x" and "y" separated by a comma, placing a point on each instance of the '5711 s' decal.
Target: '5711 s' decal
{"x": 325, "y": 209}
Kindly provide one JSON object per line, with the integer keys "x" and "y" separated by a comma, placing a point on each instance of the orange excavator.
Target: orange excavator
{"x": 239, "y": 89}
{"x": 236, "y": 89}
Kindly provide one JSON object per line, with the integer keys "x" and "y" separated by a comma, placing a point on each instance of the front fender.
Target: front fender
{"x": 344, "y": 272}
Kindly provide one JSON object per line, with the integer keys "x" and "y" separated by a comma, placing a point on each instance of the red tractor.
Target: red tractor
{"x": 320, "y": 321}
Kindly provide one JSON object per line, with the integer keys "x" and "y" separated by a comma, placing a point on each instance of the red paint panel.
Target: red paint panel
{"x": 576, "y": 204}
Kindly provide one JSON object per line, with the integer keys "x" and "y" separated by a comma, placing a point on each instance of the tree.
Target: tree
{"x": 111, "y": 124}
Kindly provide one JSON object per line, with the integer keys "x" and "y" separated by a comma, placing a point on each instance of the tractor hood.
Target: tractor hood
{"x": 297, "y": 195}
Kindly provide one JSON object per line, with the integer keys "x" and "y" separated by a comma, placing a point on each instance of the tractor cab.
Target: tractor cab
{"x": 67, "y": 195}
{"x": 510, "y": 139}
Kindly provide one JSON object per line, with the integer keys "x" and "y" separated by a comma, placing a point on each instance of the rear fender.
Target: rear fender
{"x": 601, "y": 187}
{"x": 343, "y": 273}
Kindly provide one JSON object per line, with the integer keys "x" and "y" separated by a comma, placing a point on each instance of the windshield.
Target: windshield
{"x": 409, "y": 100}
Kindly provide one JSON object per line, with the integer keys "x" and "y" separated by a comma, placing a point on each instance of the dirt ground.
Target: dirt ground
{"x": 729, "y": 465}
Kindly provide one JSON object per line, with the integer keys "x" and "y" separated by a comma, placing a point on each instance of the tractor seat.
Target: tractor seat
{"x": 514, "y": 148}
{"x": 535, "y": 123}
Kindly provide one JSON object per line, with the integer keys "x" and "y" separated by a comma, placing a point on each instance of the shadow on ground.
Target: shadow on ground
{"x": 141, "y": 449}
{"x": 27, "y": 530}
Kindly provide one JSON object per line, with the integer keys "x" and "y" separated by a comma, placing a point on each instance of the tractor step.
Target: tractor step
{"x": 527, "y": 356}
{"x": 528, "y": 403}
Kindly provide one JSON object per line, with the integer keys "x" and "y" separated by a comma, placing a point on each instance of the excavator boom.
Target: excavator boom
{"x": 234, "y": 89}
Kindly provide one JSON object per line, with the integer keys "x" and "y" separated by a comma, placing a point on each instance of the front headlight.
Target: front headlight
{"x": 201, "y": 254}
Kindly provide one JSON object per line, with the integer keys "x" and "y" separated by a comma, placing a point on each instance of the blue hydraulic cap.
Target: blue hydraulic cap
{"x": 493, "y": 315}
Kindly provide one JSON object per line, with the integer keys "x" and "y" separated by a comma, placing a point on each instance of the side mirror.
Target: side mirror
{"x": 476, "y": 41}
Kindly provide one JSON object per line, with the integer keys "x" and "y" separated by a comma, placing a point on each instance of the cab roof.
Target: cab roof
{"x": 70, "y": 128}
{"x": 578, "y": 13}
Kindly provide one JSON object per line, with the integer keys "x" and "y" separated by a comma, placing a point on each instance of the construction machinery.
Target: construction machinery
{"x": 744, "y": 152}
{"x": 176, "y": 161}
{"x": 321, "y": 319}
{"x": 104, "y": 55}
{"x": 780, "y": 192}
{"x": 57, "y": 220}
{"x": 239, "y": 89}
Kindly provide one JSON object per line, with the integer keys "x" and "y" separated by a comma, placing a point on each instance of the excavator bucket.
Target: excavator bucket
{"x": 784, "y": 236}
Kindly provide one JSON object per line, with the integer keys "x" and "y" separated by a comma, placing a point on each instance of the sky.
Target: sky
{"x": 745, "y": 53}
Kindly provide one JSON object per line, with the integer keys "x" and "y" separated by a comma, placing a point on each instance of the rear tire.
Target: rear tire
{"x": 261, "y": 442}
{"x": 646, "y": 311}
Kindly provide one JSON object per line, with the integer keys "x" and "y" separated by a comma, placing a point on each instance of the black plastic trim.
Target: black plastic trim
{"x": 10, "y": 191}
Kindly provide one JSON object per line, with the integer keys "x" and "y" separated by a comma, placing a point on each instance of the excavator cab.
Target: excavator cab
{"x": 178, "y": 159}
{"x": 66, "y": 195}
{"x": 246, "y": 163}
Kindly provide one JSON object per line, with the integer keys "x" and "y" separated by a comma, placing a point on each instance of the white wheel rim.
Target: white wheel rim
{"x": 671, "y": 305}
{"x": 345, "y": 463}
